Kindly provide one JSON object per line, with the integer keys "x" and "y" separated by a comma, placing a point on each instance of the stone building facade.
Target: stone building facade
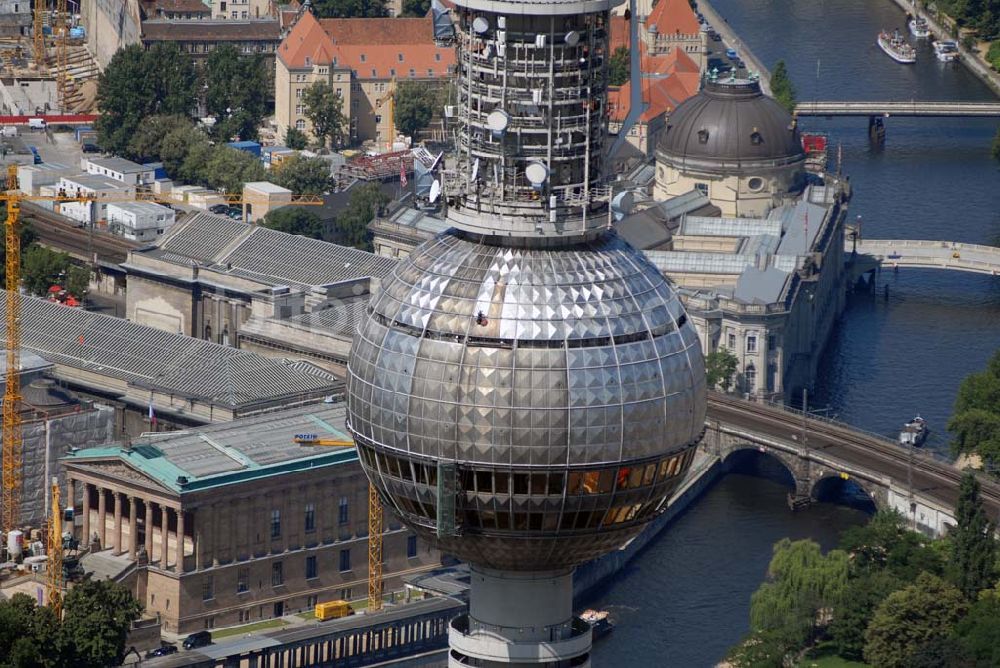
{"x": 235, "y": 523}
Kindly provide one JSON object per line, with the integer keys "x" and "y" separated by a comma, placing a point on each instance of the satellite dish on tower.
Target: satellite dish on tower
{"x": 498, "y": 120}
{"x": 435, "y": 191}
{"x": 572, "y": 38}
{"x": 480, "y": 25}
{"x": 537, "y": 173}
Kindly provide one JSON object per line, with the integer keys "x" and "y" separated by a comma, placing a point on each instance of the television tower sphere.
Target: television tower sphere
{"x": 526, "y": 390}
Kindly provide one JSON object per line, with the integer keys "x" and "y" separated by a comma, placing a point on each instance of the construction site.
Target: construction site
{"x": 45, "y": 66}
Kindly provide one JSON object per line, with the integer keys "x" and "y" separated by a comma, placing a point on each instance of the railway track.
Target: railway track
{"x": 854, "y": 448}
{"x": 57, "y": 232}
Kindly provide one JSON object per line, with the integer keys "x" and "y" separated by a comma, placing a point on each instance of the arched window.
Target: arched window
{"x": 208, "y": 331}
{"x": 751, "y": 378}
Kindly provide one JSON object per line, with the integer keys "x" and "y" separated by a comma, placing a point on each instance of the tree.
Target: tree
{"x": 720, "y": 367}
{"x": 97, "y": 617}
{"x": 416, "y": 8}
{"x": 414, "y": 106}
{"x": 979, "y": 632}
{"x": 975, "y": 420}
{"x": 995, "y": 151}
{"x": 851, "y": 618}
{"x": 228, "y": 169}
{"x": 303, "y": 176}
{"x": 324, "y": 109}
{"x": 941, "y": 653}
{"x": 25, "y": 233}
{"x": 77, "y": 281}
{"x": 146, "y": 143}
{"x": 344, "y": 9}
{"x": 137, "y": 84}
{"x": 296, "y": 139}
{"x": 237, "y": 93}
{"x": 180, "y": 145}
{"x": 43, "y": 268}
{"x": 620, "y": 66}
{"x": 761, "y": 649}
{"x": 352, "y": 225}
{"x": 781, "y": 86}
{"x": 885, "y": 544}
{"x": 28, "y": 634}
{"x": 973, "y": 546}
{"x": 910, "y": 618}
{"x": 295, "y": 220}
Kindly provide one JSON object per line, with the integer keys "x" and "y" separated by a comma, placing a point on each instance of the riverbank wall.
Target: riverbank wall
{"x": 591, "y": 576}
{"x": 972, "y": 60}
{"x": 729, "y": 36}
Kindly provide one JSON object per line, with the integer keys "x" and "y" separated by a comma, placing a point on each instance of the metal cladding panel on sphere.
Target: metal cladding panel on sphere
{"x": 565, "y": 383}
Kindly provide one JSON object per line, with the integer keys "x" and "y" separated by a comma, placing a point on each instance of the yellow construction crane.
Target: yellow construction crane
{"x": 374, "y": 522}
{"x": 61, "y": 30}
{"x": 39, "y": 35}
{"x": 54, "y": 568}
{"x": 12, "y": 450}
{"x": 390, "y": 96}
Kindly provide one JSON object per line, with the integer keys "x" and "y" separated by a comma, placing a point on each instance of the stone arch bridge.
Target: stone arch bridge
{"x": 814, "y": 450}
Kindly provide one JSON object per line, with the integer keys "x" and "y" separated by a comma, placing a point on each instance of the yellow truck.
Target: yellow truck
{"x": 333, "y": 610}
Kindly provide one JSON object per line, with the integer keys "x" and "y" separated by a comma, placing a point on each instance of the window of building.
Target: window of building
{"x": 702, "y": 188}
{"x": 310, "y": 567}
{"x": 400, "y": 56}
{"x": 244, "y": 616}
{"x": 300, "y": 124}
{"x": 752, "y": 343}
{"x": 210, "y": 622}
{"x": 755, "y": 183}
{"x": 703, "y": 136}
{"x": 770, "y": 342}
{"x": 756, "y": 138}
{"x": 430, "y": 71}
{"x": 311, "y": 601}
{"x": 243, "y": 580}
{"x": 751, "y": 377}
{"x": 345, "y": 594}
{"x": 345, "y": 560}
{"x": 732, "y": 341}
{"x": 244, "y": 15}
{"x": 275, "y": 523}
{"x": 207, "y": 588}
{"x": 392, "y": 71}
{"x": 234, "y": 13}
{"x": 378, "y": 118}
{"x": 277, "y": 574}
{"x": 299, "y": 109}
{"x": 411, "y": 546}
{"x": 413, "y": 73}
{"x": 298, "y": 93}
{"x": 309, "y": 61}
{"x": 343, "y": 514}
{"x": 437, "y": 57}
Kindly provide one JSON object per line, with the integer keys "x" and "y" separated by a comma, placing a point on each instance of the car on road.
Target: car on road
{"x": 739, "y": 63}
{"x": 716, "y": 37}
{"x": 91, "y": 148}
{"x": 221, "y": 209}
{"x": 198, "y": 639}
{"x": 165, "y": 649}
{"x": 732, "y": 53}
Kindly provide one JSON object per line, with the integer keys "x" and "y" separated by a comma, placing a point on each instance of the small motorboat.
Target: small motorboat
{"x": 896, "y": 47}
{"x": 600, "y": 622}
{"x": 919, "y": 28}
{"x": 914, "y": 432}
{"x": 946, "y": 50}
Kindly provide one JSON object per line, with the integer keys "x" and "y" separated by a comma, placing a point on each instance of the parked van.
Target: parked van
{"x": 199, "y": 639}
{"x": 10, "y": 131}
{"x": 37, "y": 123}
{"x": 333, "y": 610}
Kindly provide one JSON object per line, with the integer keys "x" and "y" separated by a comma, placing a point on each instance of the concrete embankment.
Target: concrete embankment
{"x": 972, "y": 60}
{"x": 733, "y": 40}
{"x": 705, "y": 470}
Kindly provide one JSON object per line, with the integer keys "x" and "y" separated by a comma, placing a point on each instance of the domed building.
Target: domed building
{"x": 733, "y": 143}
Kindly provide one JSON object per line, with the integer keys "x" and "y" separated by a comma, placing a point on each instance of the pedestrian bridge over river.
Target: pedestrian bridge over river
{"x": 823, "y": 455}
{"x": 894, "y": 253}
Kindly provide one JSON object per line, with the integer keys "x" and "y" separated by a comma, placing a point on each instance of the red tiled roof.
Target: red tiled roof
{"x": 373, "y": 48}
{"x": 205, "y": 30}
{"x": 672, "y": 17}
{"x": 619, "y": 32}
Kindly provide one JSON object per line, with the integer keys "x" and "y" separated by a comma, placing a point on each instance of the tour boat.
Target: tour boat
{"x": 599, "y": 621}
{"x": 896, "y": 47}
{"x": 914, "y": 432}
{"x": 919, "y": 27}
{"x": 946, "y": 50}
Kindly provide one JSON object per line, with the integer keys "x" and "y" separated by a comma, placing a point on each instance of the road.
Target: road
{"x": 931, "y": 478}
{"x": 974, "y": 258}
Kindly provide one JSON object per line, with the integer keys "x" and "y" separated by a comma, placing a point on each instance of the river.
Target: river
{"x": 685, "y": 600}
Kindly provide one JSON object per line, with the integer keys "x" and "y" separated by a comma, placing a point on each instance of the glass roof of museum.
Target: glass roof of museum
{"x": 233, "y": 452}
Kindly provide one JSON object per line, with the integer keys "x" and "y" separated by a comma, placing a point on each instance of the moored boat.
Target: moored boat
{"x": 896, "y": 47}
{"x": 919, "y": 28}
{"x": 914, "y": 432}
{"x": 946, "y": 50}
{"x": 600, "y": 622}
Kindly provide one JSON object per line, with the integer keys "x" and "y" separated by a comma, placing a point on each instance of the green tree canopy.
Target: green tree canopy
{"x": 303, "y": 176}
{"x": 43, "y": 268}
{"x": 973, "y": 557}
{"x": 414, "y": 106}
{"x": 325, "y": 110}
{"x": 763, "y": 649}
{"x": 620, "y": 66}
{"x": 238, "y": 93}
{"x": 147, "y": 141}
{"x": 26, "y": 234}
{"x": 352, "y": 225}
{"x": 137, "y": 84}
{"x": 78, "y": 280}
{"x": 416, "y": 8}
{"x": 343, "y": 9}
{"x": 29, "y": 634}
{"x": 862, "y": 595}
{"x": 720, "y": 368}
{"x": 979, "y": 631}
{"x": 295, "y": 220}
{"x": 296, "y": 139}
{"x": 781, "y": 86}
{"x": 228, "y": 169}
{"x": 97, "y": 617}
{"x": 911, "y": 618}
{"x": 975, "y": 420}
{"x": 885, "y": 543}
